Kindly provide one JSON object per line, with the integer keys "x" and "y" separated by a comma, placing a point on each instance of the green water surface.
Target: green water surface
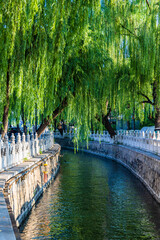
{"x": 93, "y": 198}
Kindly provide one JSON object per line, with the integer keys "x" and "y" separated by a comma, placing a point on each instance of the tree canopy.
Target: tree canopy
{"x": 136, "y": 79}
{"x": 92, "y": 54}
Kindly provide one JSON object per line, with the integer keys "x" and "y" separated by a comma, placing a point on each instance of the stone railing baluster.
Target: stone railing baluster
{"x": 12, "y": 152}
{"x": 6, "y": 152}
{"x": 13, "y": 158}
{"x": 32, "y": 145}
{"x": 36, "y": 144}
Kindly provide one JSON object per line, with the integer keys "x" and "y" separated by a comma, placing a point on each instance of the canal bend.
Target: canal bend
{"x": 93, "y": 198}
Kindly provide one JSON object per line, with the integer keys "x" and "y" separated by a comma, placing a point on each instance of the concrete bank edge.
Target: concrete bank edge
{"x": 50, "y": 153}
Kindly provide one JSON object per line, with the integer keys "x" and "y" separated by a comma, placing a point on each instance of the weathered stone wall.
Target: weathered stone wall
{"x": 26, "y": 187}
{"x": 145, "y": 165}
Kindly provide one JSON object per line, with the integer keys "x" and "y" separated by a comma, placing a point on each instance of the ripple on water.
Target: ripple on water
{"x": 93, "y": 198}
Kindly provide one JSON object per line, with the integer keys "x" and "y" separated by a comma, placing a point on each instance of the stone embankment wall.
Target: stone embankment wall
{"x": 26, "y": 187}
{"x": 145, "y": 165}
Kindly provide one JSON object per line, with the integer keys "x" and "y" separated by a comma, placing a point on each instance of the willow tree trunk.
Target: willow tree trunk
{"x": 6, "y": 106}
{"x": 43, "y": 126}
{"x": 156, "y": 88}
{"x": 106, "y": 123}
{"x": 108, "y": 126}
{"x": 128, "y": 125}
{"x": 55, "y": 113}
{"x": 157, "y": 118}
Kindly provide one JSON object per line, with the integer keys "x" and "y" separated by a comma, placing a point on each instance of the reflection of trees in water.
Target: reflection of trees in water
{"x": 38, "y": 223}
{"x": 94, "y": 198}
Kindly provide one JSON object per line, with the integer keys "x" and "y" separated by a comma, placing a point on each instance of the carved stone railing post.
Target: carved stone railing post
{"x": 44, "y": 142}
{"x": 13, "y": 149}
{"x": 19, "y": 148}
{"x": 40, "y": 144}
{"x": 154, "y": 147}
{"x": 36, "y": 144}
{"x": 23, "y": 138}
{"x": 134, "y": 138}
{"x": 28, "y": 146}
{"x": 6, "y": 151}
{"x": 158, "y": 135}
{"x": 23, "y": 146}
{"x": 51, "y": 139}
{"x": 12, "y": 153}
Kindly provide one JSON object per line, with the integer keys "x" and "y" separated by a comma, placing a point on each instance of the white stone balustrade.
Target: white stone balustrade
{"x": 138, "y": 139}
{"x": 14, "y": 152}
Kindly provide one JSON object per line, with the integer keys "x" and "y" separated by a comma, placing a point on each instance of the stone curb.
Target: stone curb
{"x": 10, "y": 231}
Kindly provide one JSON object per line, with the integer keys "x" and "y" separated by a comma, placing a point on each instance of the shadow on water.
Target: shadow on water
{"x": 93, "y": 198}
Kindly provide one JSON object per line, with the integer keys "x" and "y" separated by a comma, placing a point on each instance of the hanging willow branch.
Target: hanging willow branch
{"x": 54, "y": 51}
{"x": 129, "y": 30}
{"x": 148, "y": 5}
{"x": 146, "y": 101}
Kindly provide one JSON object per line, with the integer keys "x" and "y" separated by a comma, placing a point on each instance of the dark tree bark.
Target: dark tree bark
{"x": 18, "y": 127}
{"x": 108, "y": 126}
{"x": 55, "y": 113}
{"x": 60, "y": 128}
{"x": 59, "y": 110}
{"x": 128, "y": 125}
{"x": 43, "y": 126}
{"x": 156, "y": 104}
{"x": 157, "y": 118}
{"x": 6, "y": 107}
{"x": 106, "y": 123}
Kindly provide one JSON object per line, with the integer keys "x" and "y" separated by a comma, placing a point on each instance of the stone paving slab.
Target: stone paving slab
{"x": 6, "y": 228}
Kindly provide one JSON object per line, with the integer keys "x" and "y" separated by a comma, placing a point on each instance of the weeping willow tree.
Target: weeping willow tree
{"x": 134, "y": 47}
{"x": 53, "y": 57}
{"x": 69, "y": 58}
{"x": 20, "y": 56}
{"x": 84, "y": 63}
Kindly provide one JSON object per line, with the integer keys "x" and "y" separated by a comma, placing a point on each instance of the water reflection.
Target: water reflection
{"x": 93, "y": 198}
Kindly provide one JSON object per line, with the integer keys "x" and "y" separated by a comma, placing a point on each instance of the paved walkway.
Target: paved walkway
{"x": 6, "y": 229}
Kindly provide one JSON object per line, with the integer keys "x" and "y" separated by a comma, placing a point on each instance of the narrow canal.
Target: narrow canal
{"x": 93, "y": 199}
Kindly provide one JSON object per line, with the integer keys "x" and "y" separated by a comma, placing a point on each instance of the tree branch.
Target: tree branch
{"x": 148, "y": 5}
{"x": 55, "y": 113}
{"x": 148, "y": 100}
{"x": 129, "y": 30}
{"x": 60, "y": 108}
{"x": 106, "y": 123}
{"x": 108, "y": 113}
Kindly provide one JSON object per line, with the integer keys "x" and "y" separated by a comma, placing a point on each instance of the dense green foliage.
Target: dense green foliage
{"x": 90, "y": 51}
{"x": 136, "y": 44}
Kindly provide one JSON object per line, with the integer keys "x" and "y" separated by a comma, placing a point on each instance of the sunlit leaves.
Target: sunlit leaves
{"x": 91, "y": 51}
